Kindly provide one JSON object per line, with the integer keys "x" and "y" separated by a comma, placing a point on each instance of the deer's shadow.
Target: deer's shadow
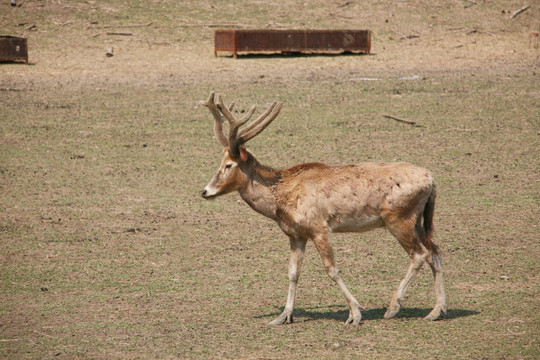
{"x": 341, "y": 313}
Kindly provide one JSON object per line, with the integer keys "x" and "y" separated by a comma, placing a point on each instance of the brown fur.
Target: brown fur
{"x": 310, "y": 201}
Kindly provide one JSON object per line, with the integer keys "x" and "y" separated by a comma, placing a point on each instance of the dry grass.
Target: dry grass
{"x": 108, "y": 251}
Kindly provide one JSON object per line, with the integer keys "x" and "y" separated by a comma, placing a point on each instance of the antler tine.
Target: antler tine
{"x": 258, "y": 120}
{"x": 218, "y": 119}
{"x": 234, "y": 124}
{"x": 249, "y": 114}
{"x": 258, "y": 125}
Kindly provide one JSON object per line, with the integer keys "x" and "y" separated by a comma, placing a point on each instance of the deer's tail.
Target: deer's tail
{"x": 429, "y": 211}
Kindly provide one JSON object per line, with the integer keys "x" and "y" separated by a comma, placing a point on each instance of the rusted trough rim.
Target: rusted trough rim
{"x": 15, "y": 58}
{"x": 234, "y": 48}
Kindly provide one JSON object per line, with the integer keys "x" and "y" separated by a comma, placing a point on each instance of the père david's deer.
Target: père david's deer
{"x": 310, "y": 201}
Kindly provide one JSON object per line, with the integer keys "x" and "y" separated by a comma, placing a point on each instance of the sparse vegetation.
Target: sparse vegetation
{"x": 108, "y": 251}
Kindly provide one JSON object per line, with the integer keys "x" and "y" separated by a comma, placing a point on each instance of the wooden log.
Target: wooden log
{"x": 402, "y": 120}
{"x": 519, "y": 11}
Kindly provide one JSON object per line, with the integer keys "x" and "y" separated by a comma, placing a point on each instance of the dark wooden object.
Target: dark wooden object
{"x": 13, "y": 49}
{"x": 292, "y": 41}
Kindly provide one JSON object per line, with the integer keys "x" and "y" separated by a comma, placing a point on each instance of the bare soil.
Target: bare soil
{"x": 108, "y": 251}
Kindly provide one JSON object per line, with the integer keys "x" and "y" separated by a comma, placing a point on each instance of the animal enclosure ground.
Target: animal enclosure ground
{"x": 107, "y": 249}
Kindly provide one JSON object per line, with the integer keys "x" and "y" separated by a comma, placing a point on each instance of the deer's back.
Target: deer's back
{"x": 350, "y": 197}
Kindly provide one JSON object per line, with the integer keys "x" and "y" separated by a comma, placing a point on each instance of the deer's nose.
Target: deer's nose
{"x": 204, "y": 194}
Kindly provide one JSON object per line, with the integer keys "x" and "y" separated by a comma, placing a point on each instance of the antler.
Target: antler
{"x": 218, "y": 119}
{"x": 261, "y": 123}
{"x": 236, "y": 137}
{"x": 234, "y": 140}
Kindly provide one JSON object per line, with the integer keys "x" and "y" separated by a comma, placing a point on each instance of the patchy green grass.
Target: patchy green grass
{"x": 108, "y": 251}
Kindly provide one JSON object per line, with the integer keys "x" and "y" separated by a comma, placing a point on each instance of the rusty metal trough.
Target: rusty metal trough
{"x": 13, "y": 49}
{"x": 292, "y": 41}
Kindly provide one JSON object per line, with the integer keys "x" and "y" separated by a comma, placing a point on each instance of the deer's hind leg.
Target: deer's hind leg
{"x": 408, "y": 233}
{"x": 435, "y": 262}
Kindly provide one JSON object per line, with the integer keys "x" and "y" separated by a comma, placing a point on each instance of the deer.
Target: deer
{"x": 311, "y": 201}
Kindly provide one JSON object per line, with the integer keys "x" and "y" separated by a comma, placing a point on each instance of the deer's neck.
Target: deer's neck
{"x": 258, "y": 191}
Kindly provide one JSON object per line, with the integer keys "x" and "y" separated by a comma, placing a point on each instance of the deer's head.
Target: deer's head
{"x": 232, "y": 173}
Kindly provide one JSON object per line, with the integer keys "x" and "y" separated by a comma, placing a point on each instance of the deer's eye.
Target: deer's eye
{"x": 228, "y": 166}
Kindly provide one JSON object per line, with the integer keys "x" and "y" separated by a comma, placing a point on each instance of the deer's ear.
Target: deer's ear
{"x": 243, "y": 153}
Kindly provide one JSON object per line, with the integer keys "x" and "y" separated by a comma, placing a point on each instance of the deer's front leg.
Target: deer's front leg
{"x": 327, "y": 255}
{"x": 297, "y": 255}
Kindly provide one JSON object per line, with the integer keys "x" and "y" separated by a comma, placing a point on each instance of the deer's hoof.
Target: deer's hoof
{"x": 391, "y": 313}
{"x": 436, "y": 314}
{"x": 284, "y": 318}
{"x": 354, "y": 321}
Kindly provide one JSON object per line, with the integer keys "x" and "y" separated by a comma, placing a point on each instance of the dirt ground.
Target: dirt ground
{"x": 108, "y": 251}
{"x": 482, "y": 40}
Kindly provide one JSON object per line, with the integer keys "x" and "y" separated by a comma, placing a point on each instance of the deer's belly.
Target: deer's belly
{"x": 356, "y": 224}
